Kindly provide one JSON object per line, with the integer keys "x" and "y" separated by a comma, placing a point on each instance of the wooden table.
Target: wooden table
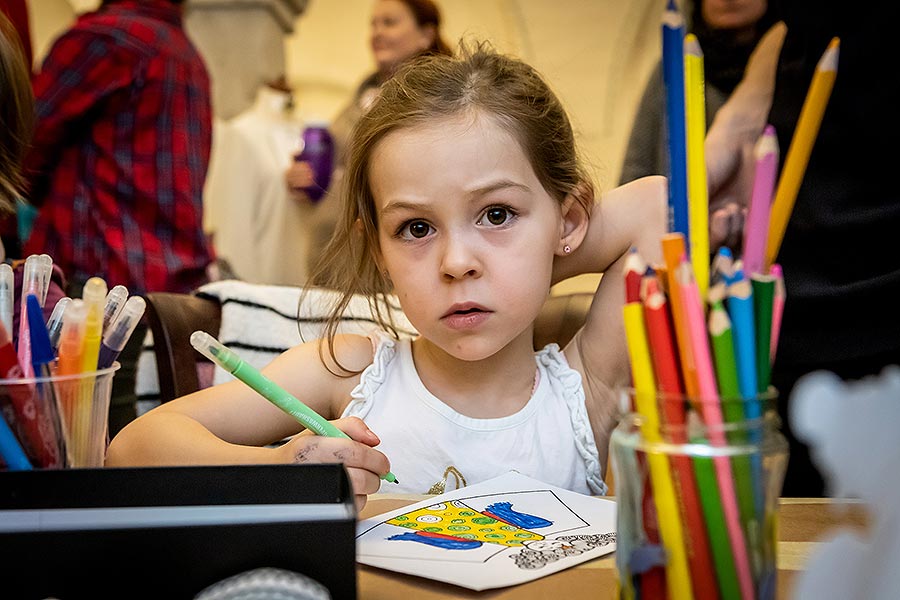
{"x": 804, "y": 522}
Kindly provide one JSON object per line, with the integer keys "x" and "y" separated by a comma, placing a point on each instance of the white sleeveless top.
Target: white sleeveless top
{"x": 427, "y": 442}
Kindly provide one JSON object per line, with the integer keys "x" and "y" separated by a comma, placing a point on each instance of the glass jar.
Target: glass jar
{"x": 697, "y": 488}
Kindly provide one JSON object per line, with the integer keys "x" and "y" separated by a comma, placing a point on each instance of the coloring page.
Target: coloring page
{"x": 505, "y": 531}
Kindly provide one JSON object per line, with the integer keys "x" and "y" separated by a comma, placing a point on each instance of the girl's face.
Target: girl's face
{"x": 396, "y": 36}
{"x": 466, "y": 233}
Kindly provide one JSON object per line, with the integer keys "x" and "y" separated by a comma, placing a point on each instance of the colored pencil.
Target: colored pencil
{"x": 677, "y": 578}
{"x": 801, "y": 146}
{"x": 652, "y": 583}
{"x": 777, "y": 309}
{"x": 763, "y": 296}
{"x": 712, "y": 415}
{"x": 673, "y": 249}
{"x": 740, "y": 310}
{"x": 743, "y": 322}
{"x": 634, "y": 268}
{"x": 722, "y": 268}
{"x": 673, "y": 79}
{"x": 726, "y": 376}
{"x": 757, "y": 226}
{"x": 698, "y": 198}
{"x": 725, "y": 362}
{"x": 665, "y": 364}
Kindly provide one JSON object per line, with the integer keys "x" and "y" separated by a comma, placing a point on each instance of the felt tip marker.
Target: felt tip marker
{"x": 117, "y": 335}
{"x": 212, "y": 349}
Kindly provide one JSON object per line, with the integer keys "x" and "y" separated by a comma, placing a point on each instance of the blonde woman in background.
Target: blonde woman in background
{"x": 400, "y": 31}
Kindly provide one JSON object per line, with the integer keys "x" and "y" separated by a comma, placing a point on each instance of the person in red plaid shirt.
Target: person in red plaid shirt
{"x": 121, "y": 148}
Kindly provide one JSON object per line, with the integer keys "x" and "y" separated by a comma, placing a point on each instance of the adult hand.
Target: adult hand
{"x": 731, "y": 138}
{"x": 298, "y": 176}
{"x": 364, "y": 464}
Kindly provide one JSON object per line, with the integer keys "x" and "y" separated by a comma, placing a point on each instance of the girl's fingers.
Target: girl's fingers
{"x": 357, "y": 430}
{"x": 363, "y": 482}
{"x": 317, "y": 449}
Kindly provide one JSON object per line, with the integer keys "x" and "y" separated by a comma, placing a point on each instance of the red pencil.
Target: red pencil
{"x": 635, "y": 267}
{"x": 664, "y": 356}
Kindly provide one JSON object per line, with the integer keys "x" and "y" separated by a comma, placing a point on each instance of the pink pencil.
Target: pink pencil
{"x": 777, "y": 308}
{"x": 757, "y": 227}
{"x": 712, "y": 416}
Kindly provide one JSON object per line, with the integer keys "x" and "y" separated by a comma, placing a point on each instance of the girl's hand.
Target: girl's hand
{"x": 364, "y": 464}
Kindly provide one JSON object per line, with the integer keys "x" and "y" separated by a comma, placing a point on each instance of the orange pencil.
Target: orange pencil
{"x": 801, "y": 147}
{"x": 673, "y": 248}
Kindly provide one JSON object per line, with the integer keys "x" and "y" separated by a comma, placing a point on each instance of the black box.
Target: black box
{"x": 169, "y": 532}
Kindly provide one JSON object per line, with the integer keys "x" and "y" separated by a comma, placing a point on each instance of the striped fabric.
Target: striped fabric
{"x": 260, "y": 322}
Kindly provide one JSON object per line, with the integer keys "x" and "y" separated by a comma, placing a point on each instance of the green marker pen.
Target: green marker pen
{"x": 212, "y": 349}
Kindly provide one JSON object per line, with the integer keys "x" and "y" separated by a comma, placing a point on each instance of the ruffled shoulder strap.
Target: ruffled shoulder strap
{"x": 567, "y": 383}
{"x": 362, "y": 396}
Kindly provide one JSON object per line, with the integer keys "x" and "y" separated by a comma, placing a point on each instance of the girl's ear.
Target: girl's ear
{"x": 575, "y": 219}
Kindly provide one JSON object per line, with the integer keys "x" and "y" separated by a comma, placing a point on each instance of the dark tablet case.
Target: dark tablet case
{"x": 78, "y": 555}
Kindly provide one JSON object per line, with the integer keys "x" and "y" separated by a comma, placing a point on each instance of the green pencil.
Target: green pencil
{"x": 763, "y": 296}
{"x": 211, "y": 348}
{"x": 732, "y": 409}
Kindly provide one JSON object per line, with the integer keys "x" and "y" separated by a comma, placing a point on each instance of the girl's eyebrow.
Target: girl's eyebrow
{"x": 501, "y": 184}
{"x": 401, "y": 205}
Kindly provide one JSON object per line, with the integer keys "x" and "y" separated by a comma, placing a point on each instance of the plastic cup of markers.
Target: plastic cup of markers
{"x": 697, "y": 497}
{"x": 61, "y": 421}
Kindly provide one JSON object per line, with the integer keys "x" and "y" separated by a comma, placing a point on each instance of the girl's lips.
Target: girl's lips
{"x": 464, "y": 307}
{"x": 465, "y": 320}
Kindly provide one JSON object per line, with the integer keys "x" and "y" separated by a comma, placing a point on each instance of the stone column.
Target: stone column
{"x": 242, "y": 42}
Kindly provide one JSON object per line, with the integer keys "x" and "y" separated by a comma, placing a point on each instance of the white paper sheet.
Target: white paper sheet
{"x": 501, "y": 532}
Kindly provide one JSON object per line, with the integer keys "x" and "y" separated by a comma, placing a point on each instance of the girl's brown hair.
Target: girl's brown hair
{"x": 16, "y": 114}
{"x": 478, "y": 82}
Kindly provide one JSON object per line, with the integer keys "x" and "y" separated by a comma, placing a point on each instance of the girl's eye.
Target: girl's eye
{"x": 497, "y": 215}
{"x": 414, "y": 230}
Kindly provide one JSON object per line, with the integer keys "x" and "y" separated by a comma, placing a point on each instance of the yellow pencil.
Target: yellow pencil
{"x": 678, "y": 581}
{"x": 698, "y": 195}
{"x": 801, "y": 147}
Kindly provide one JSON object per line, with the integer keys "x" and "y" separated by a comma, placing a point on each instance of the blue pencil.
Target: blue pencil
{"x": 673, "y": 77}
{"x": 740, "y": 310}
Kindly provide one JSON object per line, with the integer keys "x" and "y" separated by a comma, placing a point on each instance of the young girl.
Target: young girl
{"x": 466, "y": 201}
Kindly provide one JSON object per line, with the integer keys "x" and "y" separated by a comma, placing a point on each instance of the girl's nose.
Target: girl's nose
{"x": 460, "y": 259}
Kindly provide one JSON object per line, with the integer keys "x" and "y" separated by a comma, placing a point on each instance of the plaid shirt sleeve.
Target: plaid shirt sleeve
{"x": 80, "y": 70}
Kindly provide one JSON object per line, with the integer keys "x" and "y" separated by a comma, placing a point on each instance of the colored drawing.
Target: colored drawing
{"x": 500, "y": 532}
